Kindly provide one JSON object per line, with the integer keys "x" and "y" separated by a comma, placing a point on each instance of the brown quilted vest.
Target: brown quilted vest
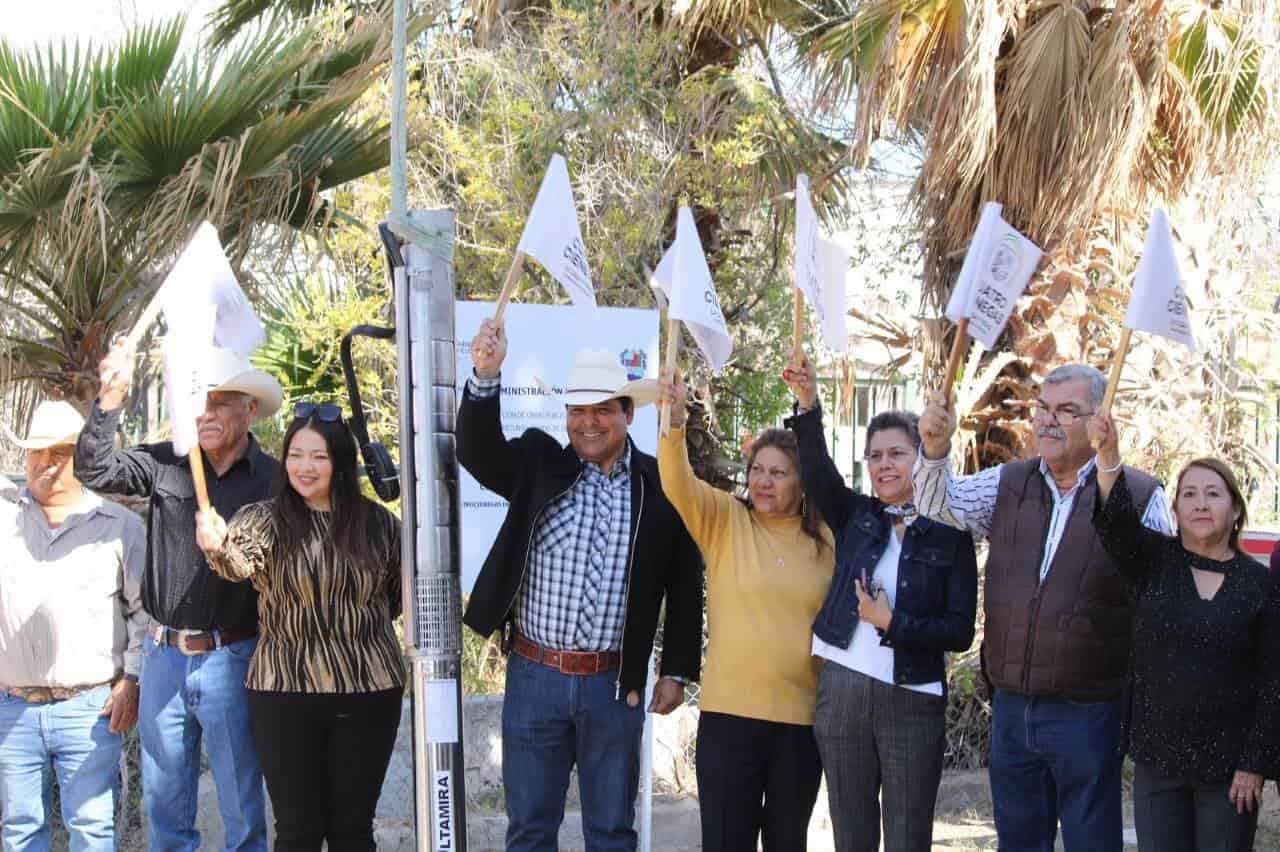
{"x": 1070, "y": 637}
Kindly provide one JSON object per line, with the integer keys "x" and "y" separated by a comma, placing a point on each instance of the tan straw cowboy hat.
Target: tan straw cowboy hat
{"x": 598, "y": 376}
{"x": 227, "y": 370}
{"x": 54, "y": 423}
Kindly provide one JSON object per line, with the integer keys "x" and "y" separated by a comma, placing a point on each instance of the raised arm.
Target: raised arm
{"x": 823, "y": 483}
{"x": 1133, "y": 544}
{"x": 483, "y": 449}
{"x": 98, "y": 464}
{"x": 703, "y": 508}
{"x": 965, "y": 502}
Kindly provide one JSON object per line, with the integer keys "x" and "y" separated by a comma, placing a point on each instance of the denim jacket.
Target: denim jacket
{"x": 937, "y": 595}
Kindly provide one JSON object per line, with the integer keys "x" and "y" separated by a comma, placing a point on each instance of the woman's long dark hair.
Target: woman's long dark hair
{"x": 784, "y": 440}
{"x": 350, "y": 521}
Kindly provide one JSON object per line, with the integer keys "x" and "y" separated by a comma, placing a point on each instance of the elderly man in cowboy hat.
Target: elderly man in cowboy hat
{"x": 203, "y": 629}
{"x": 576, "y": 580}
{"x": 71, "y": 628}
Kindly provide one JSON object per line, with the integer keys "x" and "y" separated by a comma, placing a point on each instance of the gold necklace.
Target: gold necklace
{"x": 768, "y": 541}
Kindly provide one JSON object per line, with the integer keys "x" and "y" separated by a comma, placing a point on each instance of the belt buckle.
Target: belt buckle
{"x": 184, "y": 648}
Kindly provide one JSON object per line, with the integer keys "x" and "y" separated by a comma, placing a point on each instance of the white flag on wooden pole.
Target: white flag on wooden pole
{"x": 685, "y": 279}
{"x": 203, "y": 307}
{"x": 1159, "y": 301}
{"x": 833, "y": 265}
{"x": 996, "y": 269}
{"x": 553, "y": 237}
{"x": 808, "y": 274}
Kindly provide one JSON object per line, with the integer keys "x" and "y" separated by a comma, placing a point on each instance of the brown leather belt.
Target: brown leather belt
{"x": 192, "y": 642}
{"x": 566, "y": 662}
{"x": 49, "y": 694}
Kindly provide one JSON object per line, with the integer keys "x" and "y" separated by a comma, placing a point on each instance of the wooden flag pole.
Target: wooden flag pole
{"x": 669, "y": 365}
{"x": 194, "y": 456}
{"x": 1117, "y": 365}
{"x": 197, "y": 477}
{"x": 797, "y": 323}
{"x": 958, "y": 347}
{"x": 509, "y": 286}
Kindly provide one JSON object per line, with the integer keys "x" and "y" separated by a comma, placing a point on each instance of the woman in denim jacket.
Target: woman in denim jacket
{"x": 904, "y": 593}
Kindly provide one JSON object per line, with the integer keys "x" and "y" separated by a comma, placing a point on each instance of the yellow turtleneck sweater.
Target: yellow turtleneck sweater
{"x": 765, "y": 584}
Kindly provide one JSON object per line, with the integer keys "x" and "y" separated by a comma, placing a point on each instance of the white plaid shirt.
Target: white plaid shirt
{"x": 969, "y": 502}
{"x": 574, "y": 595}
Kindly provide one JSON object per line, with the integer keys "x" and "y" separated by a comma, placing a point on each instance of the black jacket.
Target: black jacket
{"x": 178, "y": 589}
{"x": 936, "y": 601}
{"x": 531, "y": 471}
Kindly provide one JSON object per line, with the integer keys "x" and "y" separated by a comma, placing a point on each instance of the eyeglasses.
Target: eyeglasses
{"x": 325, "y": 412}
{"x": 1062, "y": 416}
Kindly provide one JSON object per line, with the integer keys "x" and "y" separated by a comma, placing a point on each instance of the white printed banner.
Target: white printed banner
{"x": 553, "y": 237}
{"x": 1159, "y": 301}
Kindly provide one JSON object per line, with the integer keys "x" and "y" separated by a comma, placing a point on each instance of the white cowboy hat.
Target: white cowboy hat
{"x": 53, "y": 424}
{"x": 228, "y": 370}
{"x": 597, "y": 377}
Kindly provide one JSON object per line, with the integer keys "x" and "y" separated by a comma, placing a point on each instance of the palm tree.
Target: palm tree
{"x": 109, "y": 157}
{"x": 1078, "y": 115}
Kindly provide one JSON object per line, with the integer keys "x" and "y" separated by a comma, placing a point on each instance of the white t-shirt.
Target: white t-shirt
{"x": 865, "y": 654}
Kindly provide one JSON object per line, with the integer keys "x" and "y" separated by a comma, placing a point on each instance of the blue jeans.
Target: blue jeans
{"x": 74, "y": 737}
{"x": 1056, "y": 760}
{"x": 550, "y": 722}
{"x": 184, "y": 700}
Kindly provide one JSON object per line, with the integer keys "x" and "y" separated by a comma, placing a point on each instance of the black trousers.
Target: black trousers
{"x": 325, "y": 757}
{"x": 755, "y": 779}
{"x": 1173, "y": 814}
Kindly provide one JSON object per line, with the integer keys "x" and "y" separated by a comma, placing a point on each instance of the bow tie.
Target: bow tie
{"x": 907, "y": 511}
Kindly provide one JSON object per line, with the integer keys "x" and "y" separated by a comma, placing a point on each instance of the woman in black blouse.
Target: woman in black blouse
{"x": 1203, "y": 717}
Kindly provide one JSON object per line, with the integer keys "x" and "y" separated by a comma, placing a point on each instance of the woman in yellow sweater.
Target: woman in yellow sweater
{"x": 769, "y": 562}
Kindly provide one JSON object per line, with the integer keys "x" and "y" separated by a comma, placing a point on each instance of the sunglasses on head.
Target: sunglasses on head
{"x": 325, "y": 412}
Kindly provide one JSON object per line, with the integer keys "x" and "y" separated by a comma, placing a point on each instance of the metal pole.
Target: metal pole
{"x": 425, "y": 333}
{"x": 399, "y": 109}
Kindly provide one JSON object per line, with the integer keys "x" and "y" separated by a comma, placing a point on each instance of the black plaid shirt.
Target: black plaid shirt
{"x": 574, "y": 595}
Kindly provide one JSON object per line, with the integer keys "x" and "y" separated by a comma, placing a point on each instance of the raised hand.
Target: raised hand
{"x": 1104, "y": 438}
{"x": 937, "y": 425}
{"x": 489, "y": 349}
{"x": 671, "y": 389}
{"x": 115, "y": 373}
{"x": 802, "y": 378}
{"x": 211, "y": 531}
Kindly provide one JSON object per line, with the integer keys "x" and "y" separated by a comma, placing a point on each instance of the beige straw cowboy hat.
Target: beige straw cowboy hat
{"x": 598, "y": 376}
{"x": 53, "y": 424}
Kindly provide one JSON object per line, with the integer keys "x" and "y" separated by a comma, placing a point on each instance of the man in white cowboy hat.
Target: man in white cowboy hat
{"x": 71, "y": 628}
{"x": 576, "y": 581}
{"x": 203, "y": 629}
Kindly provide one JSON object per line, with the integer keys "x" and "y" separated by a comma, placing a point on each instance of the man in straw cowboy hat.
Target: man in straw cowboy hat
{"x": 576, "y": 580}
{"x": 203, "y": 629}
{"x": 71, "y": 627}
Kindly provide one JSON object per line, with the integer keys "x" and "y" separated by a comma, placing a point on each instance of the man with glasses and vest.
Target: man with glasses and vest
{"x": 1056, "y": 639}
{"x": 576, "y": 580}
{"x": 203, "y": 629}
